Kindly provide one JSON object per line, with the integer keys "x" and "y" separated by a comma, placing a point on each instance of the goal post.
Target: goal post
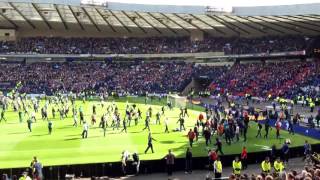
{"x": 177, "y": 101}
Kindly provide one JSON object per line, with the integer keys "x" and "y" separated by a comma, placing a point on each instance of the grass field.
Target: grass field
{"x": 65, "y": 145}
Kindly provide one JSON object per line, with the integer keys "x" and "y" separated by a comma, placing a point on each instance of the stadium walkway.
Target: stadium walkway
{"x": 294, "y": 164}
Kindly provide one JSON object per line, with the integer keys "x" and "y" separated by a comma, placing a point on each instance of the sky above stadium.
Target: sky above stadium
{"x": 217, "y": 2}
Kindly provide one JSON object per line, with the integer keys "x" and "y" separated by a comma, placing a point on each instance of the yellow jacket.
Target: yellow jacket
{"x": 217, "y": 166}
{"x": 266, "y": 166}
{"x": 278, "y": 166}
{"x": 237, "y": 166}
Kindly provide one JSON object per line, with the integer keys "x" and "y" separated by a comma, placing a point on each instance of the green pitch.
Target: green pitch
{"x": 65, "y": 145}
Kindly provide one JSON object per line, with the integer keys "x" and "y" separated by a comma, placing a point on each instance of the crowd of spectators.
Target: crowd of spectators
{"x": 132, "y": 77}
{"x": 232, "y": 45}
{"x": 262, "y": 79}
{"x": 286, "y": 79}
{"x": 311, "y": 86}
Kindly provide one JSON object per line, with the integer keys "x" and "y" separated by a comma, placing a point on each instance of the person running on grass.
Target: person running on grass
{"x": 2, "y": 116}
{"x": 50, "y": 125}
{"x": 29, "y": 123}
{"x": 124, "y": 124}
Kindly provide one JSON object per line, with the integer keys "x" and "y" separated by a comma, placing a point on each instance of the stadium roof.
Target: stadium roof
{"x": 39, "y": 16}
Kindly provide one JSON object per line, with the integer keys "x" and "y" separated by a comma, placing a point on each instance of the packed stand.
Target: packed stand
{"x": 59, "y": 45}
{"x": 311, "y": 86}
{"x": 263, "y": 79}
{"x": 99, "y": 77}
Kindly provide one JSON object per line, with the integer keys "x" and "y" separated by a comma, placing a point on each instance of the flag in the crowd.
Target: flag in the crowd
{"x": 196, "y": 101}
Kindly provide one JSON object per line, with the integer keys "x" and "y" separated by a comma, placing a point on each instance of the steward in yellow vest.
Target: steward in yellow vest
{"x": 278, "y": 165}
{"x": 266, "y": 165}
{"x": 217, "y": 168}
{"x": 311, "y": 106}
{"x": 237, "y": 166}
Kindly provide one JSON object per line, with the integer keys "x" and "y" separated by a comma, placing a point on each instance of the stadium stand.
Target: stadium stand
{"x": 60, "y": 49}
{"x": 55, "y": 45}
{"x": 261, "y": 79}
{"x": 285, "y": 79}
{"x": 133, "y": 78}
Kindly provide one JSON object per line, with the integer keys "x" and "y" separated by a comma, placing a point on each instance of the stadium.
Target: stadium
{"x": 114, "y": 90}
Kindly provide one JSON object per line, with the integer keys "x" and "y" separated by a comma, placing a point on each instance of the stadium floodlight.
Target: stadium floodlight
{"x": 218, "y": 10}
{"x": 103, "y": 3}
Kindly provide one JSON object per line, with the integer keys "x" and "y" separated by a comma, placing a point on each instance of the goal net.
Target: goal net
{"x": 177, "y": 101}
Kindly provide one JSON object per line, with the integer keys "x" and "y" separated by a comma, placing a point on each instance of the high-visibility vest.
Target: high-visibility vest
{"x": 218, "y": 166}
{"x": 312, "y": 104}
{"x": 237, "y": 166}
{"x": 278, "y": 166}
{"x": 266, "y": 166}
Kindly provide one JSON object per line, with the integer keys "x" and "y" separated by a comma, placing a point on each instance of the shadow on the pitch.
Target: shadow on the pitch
{"x": 38, "y": 135}
{"x": 19, "y": 133}
{"x": 72, "y": 139}
{"x": 65, "y": 127}
{"x": 80, "y": 137}
{"x": 72, "y": 135}
{"x": 167, "y": 142}
{"x": 11, "y": 122}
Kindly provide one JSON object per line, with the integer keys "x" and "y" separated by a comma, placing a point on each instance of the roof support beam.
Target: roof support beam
{"x": 129, "y": 31}
{"x": 314, "y": 16}
{"x": 299, "y": 22}
{"x": 280, "y": 25}
{"x": 233, "y": 25}
{"x": 23, "y": 16}
{"x": 61, "y": 18}
{"x": 232, "y": 29}
{"x": 246, "y": 24}
{"x": 41, "y": 15}
{"x": 304, "y": 20}
{"x": 75, "y": 17}
{"x": 202, "y": 30}
{"x": 150, "y": 24}
{"x": 309, "y": 16}
{"x": 9, "y": 20}
{"x": 292, "y": 24}
{"x": 143, "y": 30}
{"x": 164, "y": 24}
{"x": 175, "y": 22}
{"x": 214, "y": 28}
{"x": 265, "y": 26}
{"x": 111, "y": 27}
{"x": 90, "y": 18}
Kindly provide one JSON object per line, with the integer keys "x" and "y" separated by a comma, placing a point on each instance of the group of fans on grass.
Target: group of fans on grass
{"x": 229, "y": 122}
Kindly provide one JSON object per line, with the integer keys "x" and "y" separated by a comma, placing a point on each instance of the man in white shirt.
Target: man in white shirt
{"x": 166, "y": 122}
{"x": 85, "y": 130}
